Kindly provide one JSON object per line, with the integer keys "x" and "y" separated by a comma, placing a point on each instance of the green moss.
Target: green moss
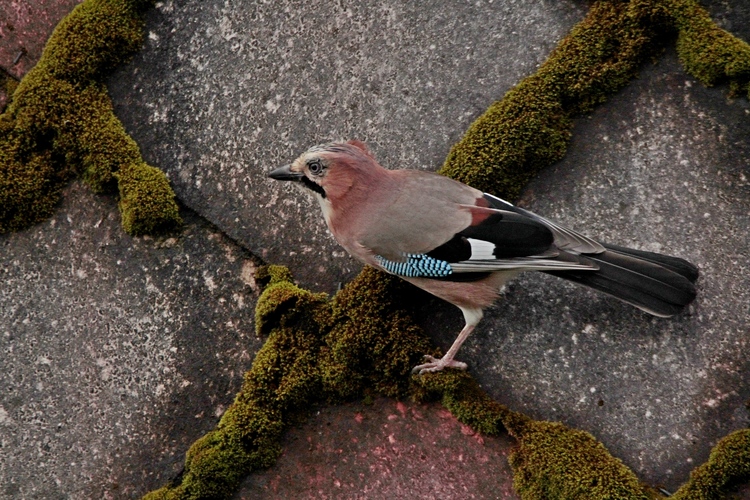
{"x": 373, "y": 343}
{"x": 8, "y": 84}
{"x": 529, "y": 128}
{"x": 552, "y": 461}
{"x": 309, "y": 338}
{"x": 463, "y": 397}
{"x": 555, "y": 462}
{"x": 147, "y": 202}
{"x": 60, "y": 123}
{"x": 279, "y": 303}
{"x": 281, "y": 385}
{"x": 96, "y": 37}
{"x": 161, "y": 494}
{"x": 727, "y": 467}
{"x": 272, "y": 274}
{"x": 709, "y": 53}
{"x": 105, "y": 146}
{"x": 214, "y": 467}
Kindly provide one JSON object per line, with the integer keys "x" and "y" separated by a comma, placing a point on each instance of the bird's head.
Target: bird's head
{"x": 331, "y": 170}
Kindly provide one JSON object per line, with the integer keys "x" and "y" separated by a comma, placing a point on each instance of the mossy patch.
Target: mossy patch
{"x": 708, "y": 52}
{"x": 282, "y": 383}
{"x": 463, "y": 397}
{"x": 147, "y": 201}
{"x": 529, "y": 129}
{"x": 728, "y": 466}
{"x": 556, "y": 462}
{"x": 60, "y": 124}
{"x": 8, "y": 85}
{"x": 373, "y": 342}
{"x": 318, "y": 350}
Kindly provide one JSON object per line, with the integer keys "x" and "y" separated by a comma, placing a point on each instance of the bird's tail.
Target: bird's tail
{"x": 658, "y": 284}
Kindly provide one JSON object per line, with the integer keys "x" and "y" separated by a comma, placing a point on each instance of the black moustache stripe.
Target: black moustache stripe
{"x": 315, "y": 187}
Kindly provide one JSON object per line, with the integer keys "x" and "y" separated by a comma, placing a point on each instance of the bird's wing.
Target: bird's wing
{"x": 425, "y": 266}
{"x": 496, "y": 240}
{"x": 565, "y": 239}
{"x": 418, "y": 212}
{"x": 433, "y": 226}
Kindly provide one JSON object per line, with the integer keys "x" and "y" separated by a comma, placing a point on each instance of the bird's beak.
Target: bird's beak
{"x": 285, "y": 174}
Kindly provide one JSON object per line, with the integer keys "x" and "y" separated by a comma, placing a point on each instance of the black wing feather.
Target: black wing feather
{"x": 456, "y": 249}
{"x": 514, "y": 235}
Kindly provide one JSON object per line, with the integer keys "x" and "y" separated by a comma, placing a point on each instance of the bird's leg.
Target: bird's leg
{"x": 472, "y": 316}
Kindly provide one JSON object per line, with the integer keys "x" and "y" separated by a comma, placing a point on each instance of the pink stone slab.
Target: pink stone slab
{"x": 25, "y": 26}
{"x": 386, "y": 450}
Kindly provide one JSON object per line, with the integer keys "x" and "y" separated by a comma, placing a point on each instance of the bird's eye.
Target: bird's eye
{"x": 315, "y": 167}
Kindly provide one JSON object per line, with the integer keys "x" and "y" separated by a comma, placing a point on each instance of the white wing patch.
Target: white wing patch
{"x": 481, "y": 250}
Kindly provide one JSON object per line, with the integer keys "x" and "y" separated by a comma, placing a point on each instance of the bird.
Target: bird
{"x": 462, "y": 245}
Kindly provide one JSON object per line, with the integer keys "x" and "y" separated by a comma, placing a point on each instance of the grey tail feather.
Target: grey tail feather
{"x": 658, "y": 284}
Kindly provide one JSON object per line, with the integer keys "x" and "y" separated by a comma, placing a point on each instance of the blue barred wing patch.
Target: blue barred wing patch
{"x": 417, "y": 265}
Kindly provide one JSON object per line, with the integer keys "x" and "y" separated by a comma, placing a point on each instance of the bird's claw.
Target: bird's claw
{"x": 435, "y": 365}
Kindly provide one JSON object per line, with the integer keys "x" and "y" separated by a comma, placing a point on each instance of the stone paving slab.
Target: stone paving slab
{"x": 385, "y": 450}
{"x": 117, "y": 352}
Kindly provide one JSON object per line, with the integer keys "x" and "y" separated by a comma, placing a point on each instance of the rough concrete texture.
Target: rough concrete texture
{"x": 223, "y": 93}
{"x": 117, "y": 352}
{"x": 25, "y": 26}
{"x": 386, "y": 450}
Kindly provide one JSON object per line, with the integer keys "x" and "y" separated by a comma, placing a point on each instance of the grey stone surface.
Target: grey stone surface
{"x": 731, "y": 15}
{"x": 117, "y": 352}
{"x": 224, "y": 92}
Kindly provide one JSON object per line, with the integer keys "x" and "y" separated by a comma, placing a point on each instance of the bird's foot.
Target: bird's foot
{"x": 435, "y": 365}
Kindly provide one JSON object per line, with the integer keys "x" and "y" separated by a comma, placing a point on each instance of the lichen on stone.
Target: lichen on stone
{"x": 60, "y": 124}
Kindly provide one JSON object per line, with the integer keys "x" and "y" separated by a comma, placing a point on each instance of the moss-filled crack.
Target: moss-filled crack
{"x": 60, "y": 123}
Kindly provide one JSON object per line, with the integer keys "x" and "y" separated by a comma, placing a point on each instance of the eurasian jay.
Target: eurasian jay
{"x": 462, "y": 245}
